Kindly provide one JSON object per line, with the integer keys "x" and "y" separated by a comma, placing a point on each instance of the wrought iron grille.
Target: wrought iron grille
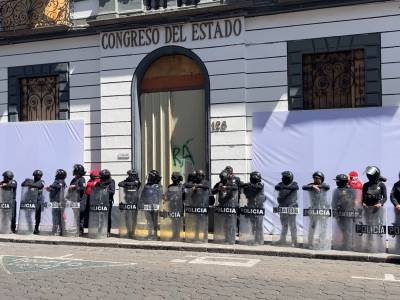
{"x": 39, "y": 96}
{"x": 27, "y": 14}
{"x": 334, "y": 80}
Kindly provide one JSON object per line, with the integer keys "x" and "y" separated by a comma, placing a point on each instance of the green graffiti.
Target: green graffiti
{"x": 180, "y": 153}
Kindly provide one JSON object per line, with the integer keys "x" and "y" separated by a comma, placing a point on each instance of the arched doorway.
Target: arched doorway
{"x": 172, "y": 101}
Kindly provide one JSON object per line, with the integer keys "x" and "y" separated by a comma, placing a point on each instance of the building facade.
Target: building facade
{"x": 173, "y": 86}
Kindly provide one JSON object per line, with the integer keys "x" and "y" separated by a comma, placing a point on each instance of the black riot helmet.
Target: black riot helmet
{"x": 133, "y": 174}
{"x": 8, "y": 175}
{"x": 373, "y": 173}
{"x": 320, "y": 175}
{"x": 255, "y": 177}
{"x": 176, "y": 177}
{"x": 224, "y": 176}
{"x": 191, "y": 177}
{"x": 229, "y": 170}
{"x": 287, "y": 177}
{"x": 153, "y": 177}
{"x": 61, "y": 174}
{"x": 105, "y": 175}
{"x": 78, "y": 170}
{"x": 342, "y": 180}
{"x": 200, "y": 175}
{"x": 37, "y": 174}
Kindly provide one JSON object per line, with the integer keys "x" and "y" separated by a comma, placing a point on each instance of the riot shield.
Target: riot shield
{"x": 147, "y": 219}
{"x": 6, "y": 210}
{"x": 370, "y": 230}
{"x": 285, "y": 211}
{"x": 345, "y": 214}
{"x": 251, "y": 229}
{"x": 196, "y": 215}
{"x": 51, "y": 223}
{"x": 225, "y": 217}
{"x": 98, "y": 213}
{"x": 128, "y": 201}
{"x": 70, "y": 211}
{"x": 27, "y": 208}
{"x": 394, "y": 232}
{"x": 171, "y": 215}
{"x": 317, "y": 220}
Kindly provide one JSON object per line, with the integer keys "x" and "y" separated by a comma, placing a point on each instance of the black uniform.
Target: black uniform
{"x": 80, "y": 186}
{"x": 174, "y": 203}
{"x": 55, "y": 189}
{"x": 254, "y": 192}
{"x": 227, "y": 191}
{"x": 130, "y": 186}
{"x": 343, "y": 201}
{"x": 287, "y": 197}
{"x": 11, "y": 185}
{"x": 318, "y": 201}
{"x": 197, "y": 195}
{"x": 395, "y": 199}
{"x": 109, "y": 185}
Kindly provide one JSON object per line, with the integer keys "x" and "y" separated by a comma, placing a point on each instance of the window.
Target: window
{"x": 38, "y": 92}
{"x": 335, "y": 72}
{"x": 334, "y": 80}
{"x": 39, "y": 98}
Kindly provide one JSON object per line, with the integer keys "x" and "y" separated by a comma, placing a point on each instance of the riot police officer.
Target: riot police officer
{"x": 9, "y": 184}
{"x": 343, "y": 202}
{"x": 374, "y": 191}
{"x": 395, "y": 199}
{"x": 37, "y": 183}
{"x": 77, "y": 188}
{"x": 287, "y": 197}
{"x": 254, "y": 192}
{"x": 128, "y": 201}
{"x": 318, "y": 200}
{"x": 172, "y": 208}
{"x": 108, "y": 184}
{"x": 56, "y": 190}
{"x": 226, "y": 211}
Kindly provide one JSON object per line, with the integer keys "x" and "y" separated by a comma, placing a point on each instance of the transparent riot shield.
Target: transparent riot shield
{"x": 70, "y": 212}
{"x": 394, "y": 232}
{"x": 370, "y": 230}
{"x": 128, "y": 201}
{"x": 171, "y": 215}
{"x": 345, "y": 214}
{"x": 196, "y": 215}
{"x": 148, "y": 207}
{"x": 285, "y": 211}
{"x": 6, "y": 210}
{"x": 225, "y": 217}
{"x": 27, "y": 208}
{"x": 317, "y": 220}
{"x": 52, "y": 216}
{"x": 98, "y": 213}
{"x": 251, "y": 229}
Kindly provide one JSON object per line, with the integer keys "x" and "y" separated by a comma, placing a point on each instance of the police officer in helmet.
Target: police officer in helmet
{"x": 10, "y": 184}
{"x": 106, "y": 182}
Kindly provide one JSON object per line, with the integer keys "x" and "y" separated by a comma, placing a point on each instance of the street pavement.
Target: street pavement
{"x": 34, "y": 271}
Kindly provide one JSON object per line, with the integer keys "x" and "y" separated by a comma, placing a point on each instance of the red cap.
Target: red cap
{"x": 353, "y": 174}
{"x": 95, "y": 172}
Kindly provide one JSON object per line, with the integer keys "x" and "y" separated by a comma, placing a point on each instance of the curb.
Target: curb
{"x": 210, "y": 248}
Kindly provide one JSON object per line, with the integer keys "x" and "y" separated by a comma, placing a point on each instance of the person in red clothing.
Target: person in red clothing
{"x": 85, "y": 206}
{"x": 354, "y": 181}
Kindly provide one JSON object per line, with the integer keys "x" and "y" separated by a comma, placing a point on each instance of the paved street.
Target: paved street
{"x": 67, "y": 272}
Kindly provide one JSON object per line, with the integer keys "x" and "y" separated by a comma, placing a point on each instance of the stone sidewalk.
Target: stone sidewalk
{"x": 267, "y": 249}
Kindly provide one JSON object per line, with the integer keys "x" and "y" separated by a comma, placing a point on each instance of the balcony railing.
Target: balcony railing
{"x": 17, "y": 15}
